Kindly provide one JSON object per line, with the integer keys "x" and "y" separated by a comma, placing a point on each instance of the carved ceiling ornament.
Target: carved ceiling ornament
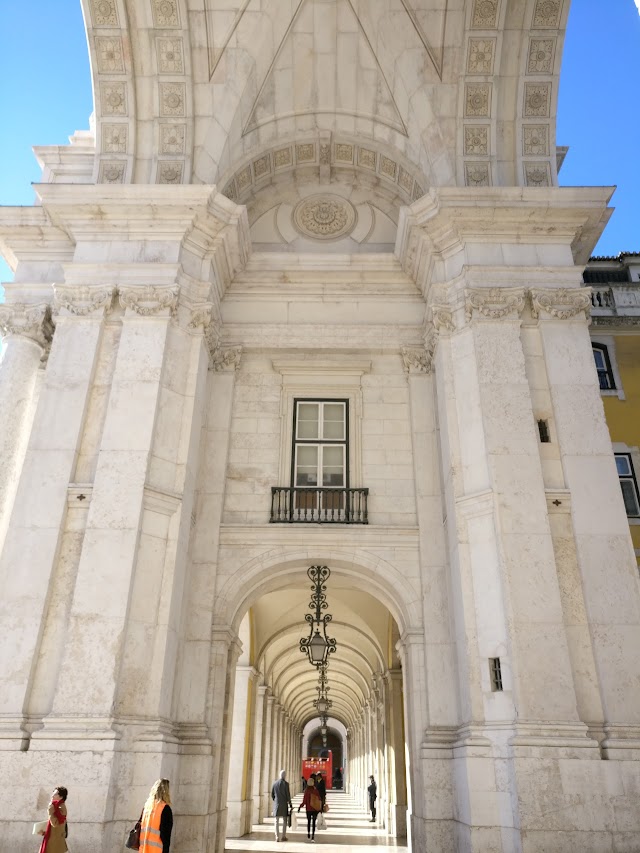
{"x": 561, "y": 303}
{"x": 148, "y": 300}
{"x": 493, "y": 303}
{"x": 547, "y": 14}
{"x": 324, "y": 217}
{"x": 416, "y": 360}
{"x": 29, "y": 321}
{"x": 82, "y": 301}
{"x": 485, "y": 14}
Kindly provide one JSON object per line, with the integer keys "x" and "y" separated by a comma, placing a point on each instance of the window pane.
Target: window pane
{"x": 333, "y": 467}
{"x": 622, "y": 464}
{"x": 630, "y": 497}
{"x": 307, "y": 425}
{"x": 307, "y": 466}
{"x": 333, "y": 416}
{"x": 598, "y": 356}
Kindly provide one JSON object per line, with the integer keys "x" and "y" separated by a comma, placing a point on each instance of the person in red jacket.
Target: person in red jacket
{"x": 313, "y": 804}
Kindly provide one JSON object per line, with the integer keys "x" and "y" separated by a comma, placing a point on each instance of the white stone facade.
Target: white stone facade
{"x": 407, "y": 255}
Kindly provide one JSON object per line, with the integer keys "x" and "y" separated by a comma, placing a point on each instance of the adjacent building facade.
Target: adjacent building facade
{"x": 308, "y": 294}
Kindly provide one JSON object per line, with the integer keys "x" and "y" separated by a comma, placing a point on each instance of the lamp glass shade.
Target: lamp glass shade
{"x": 322, "y": 705}
{"x": 317, "y": 646}
{"x": 323, "y": 731}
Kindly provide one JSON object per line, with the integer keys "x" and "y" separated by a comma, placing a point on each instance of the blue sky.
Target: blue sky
{"x": 598, "y": 113}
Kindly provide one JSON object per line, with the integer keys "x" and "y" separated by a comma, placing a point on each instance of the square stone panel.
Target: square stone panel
{"x": 535, "y": 140}
{"x": 537, "y": 174}
{"x": 170, "y": 172}
{"x": 282, "y": 158}
{"x": 541, "y": 54}
{"x": 172, "y": 99}
{"x": 484, "y": 15}
{"x": 230, "y": 191}
{"x": 418, "y": 192}
{"x": 165, "y": 13}
{"x": 306, "y": 152}
{"x": 388, "y": 167}
{"x": 262, "y": 166}
{"x": 367, "y": 158}
{"x": 481, "y": 56}
{"x": 114, "y": 138}
{"x": 477, "y": 99}
{"x": 172, "y": 137}
{"x": 104, "y": 13}
{"x": 112, "y": 172}
{"x": 243, "y": 178}
{"x": 109, "y": 54}
{"x": 546, "y": 14}
{"x": 113, "y": 99}
{"x": 476, "y": 139}
{"x": 537, "y": 99}
{"x": 343, "y": 153}
{"x": 477, "y": 174}
{"x": 170, "y": 56}
{"x": 405, "y": 180}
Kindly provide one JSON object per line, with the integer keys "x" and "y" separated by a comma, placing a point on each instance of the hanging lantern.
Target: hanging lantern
{"x": 317, "y": 646}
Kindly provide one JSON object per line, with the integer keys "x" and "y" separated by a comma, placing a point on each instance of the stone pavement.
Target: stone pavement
{"x": 348, "y": 830}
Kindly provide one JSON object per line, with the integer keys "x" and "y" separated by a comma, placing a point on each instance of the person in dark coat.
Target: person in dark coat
{"x": 321, "y": 785}
{"x": 373, "y": 796}
{"x": 281, "y": 796}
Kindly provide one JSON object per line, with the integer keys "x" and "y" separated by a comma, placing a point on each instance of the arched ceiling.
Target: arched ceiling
{"x": 365, "y": 633}
{"x": 450, "y": 91}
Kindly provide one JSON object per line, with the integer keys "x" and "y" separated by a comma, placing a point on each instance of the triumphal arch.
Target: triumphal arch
{"x": 308, "y": 294}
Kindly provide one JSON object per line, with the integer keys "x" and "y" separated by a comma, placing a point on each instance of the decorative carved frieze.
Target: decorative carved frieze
{"x": 172, "y": 99}
{"x": 477, "y": 101}
{"x": 172, "y": 138}
{"x": 493, "y": 303}
{"x": 113, "y": 99}
{"x": 109, "y": 56}
{"x": 225, "y": 360}
{"x": 149, "y": 299}
{"x": 104, "y": 13}
{"x": 29, "y": 321}
{"x": 477, "y": 174}
{"x": 112, "y": 172}
{"x": 537, "y": 99}
{"x": 114, "y": 138}
{"x": 416, "y": 360}
{"x": 537, "y": 174}
{"x": 170, "y": 172}
{"x": 541, "y": 53}
{"x": 165, "y": 13}
{"x": 546, "y": 15}
{"x": 476, "y": 139}
{"x": 561, "y": 303}
{"x": 82, "y": 301}
{"x": 535, "y": 140}
{"x": 170, "y": 55}
{"x": 485, "y": 14}
{"x": 481, "y": 55}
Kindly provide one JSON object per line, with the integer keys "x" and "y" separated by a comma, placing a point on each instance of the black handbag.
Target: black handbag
{"x": 133, "y": 839}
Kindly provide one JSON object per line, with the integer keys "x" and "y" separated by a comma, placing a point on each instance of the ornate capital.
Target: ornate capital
{"x": 226, "y": 360}
{"x": 493, "y": 303}
{"x": 148, "y": 300}
{"x": 82, "y": 301}
{"x": 200, "y": 316}
{"x": 30, "y": 321}
{"x": 442, "y": 317}
{"x": 416, "y": 360}
{"x": 561, "y": 303}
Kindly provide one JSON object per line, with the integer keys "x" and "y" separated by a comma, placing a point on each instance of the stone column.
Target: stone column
{"x": 607, "y": 565}
{"x": 33, "y": 538}
{"x": 258, "y": 752}
{"x": 238, "y": 802}
{"x": 26, "y": 332}
{"x": 396, "y": 775}
{"x": 267, "y": 759}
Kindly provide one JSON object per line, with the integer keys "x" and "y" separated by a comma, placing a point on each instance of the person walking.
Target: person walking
{"x": 321, "y": 785}
{"x": 55, "y": 834}
{"x": 281, "y": 796}
{"x": 313, "y": 804}
{"x": 157, "y": 820}
{"x": 373, "y": 796}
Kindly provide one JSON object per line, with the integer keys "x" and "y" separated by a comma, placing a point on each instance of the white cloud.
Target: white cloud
{"x": 637, "y": 2}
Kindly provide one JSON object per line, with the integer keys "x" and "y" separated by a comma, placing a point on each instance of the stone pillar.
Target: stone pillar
{"x": 35, "y": 599}
{"x": 267, "y": 759}
{"x": 258, "y": 752}
{"x": 26, "y": 332}
{"x": 607, "y": 565}
{"x": 238, "y": 796}
{"x": 396, "y": 775}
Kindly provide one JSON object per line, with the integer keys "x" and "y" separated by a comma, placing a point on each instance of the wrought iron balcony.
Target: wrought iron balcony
{"x": 321, "y": 506}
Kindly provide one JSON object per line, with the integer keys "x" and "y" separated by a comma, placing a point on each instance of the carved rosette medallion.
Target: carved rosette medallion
{"x": 148, "y": 300}
{"x": 82, "y": 301}
{"x": 493, "y": 303}
{"x": 324, "y": 217}
{"x": 29, "y": 321}
{"x": 561, "y": 303}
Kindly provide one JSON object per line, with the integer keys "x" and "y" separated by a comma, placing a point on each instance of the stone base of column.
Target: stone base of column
{"x": 238, "y": 818}
{"x": 397, "y": 821}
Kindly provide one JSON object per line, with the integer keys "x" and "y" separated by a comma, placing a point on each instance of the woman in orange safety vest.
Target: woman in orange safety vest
{"x": 157, "y": 820}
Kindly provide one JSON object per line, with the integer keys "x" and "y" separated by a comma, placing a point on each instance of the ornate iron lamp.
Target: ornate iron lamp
{"x": 317, "y": 646}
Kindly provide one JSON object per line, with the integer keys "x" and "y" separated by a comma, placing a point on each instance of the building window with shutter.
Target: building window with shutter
{"x": 628, "y": 484}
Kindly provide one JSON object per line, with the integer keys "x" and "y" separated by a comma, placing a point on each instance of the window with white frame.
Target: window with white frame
{"x": 603, "y": 366}
{"x": 628, "y": 484}
{"x": 320, "y": 457}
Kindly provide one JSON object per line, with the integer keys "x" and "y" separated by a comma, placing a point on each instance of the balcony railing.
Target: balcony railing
{"x": 320, "y": 506}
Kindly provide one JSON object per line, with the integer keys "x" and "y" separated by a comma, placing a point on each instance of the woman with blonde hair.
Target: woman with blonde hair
{"x": 157, "y": 820}
{"x": 55, "y": 834}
